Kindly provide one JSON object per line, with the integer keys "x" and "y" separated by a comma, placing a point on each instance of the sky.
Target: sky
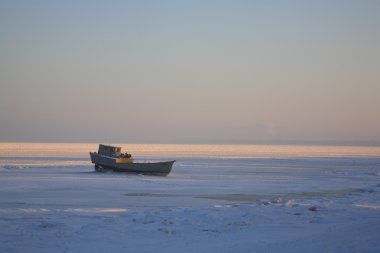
{"x": 172, "y": 71}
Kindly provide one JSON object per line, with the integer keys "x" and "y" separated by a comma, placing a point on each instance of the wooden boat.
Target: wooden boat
{"x": 110, "y": 158}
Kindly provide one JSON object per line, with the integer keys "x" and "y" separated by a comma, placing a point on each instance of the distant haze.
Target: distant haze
{"x": 190, "y": 71}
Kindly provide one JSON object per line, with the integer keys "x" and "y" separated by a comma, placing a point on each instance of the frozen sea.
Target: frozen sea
{"x": 218, "y": 198}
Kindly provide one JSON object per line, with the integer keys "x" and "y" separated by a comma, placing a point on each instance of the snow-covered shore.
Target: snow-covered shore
{"x": 205, "y": 205}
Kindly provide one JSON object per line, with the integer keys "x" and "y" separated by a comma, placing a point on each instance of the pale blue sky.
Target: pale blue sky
{"x": 190, "y": 71}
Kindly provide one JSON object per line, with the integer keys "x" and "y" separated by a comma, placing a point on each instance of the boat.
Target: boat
{"x": 110, "y": 158}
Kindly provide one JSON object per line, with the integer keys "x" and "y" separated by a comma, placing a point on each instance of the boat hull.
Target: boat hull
{"x": 106, "y": 163}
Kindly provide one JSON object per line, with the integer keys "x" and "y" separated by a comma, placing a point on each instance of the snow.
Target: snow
{"x": 272, "y": 203}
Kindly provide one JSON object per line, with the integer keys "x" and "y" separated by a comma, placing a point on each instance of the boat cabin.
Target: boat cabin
{"x": 109, "y": 150}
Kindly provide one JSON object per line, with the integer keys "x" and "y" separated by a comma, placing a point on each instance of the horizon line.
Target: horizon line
{"x": 375, "y": 143}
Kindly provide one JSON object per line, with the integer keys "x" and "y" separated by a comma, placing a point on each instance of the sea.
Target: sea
{"x": 212, "y": 169}
{"x": 218, "y": 198}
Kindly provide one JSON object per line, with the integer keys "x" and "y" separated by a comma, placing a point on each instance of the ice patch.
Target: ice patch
{"x": 290, "y": 202}
{"x": 80, "y": 210}
{"x": 222, "y": 206}
{"x": 28, "y": 163}
{"x": 14, "y": 167}
{"x": 33, "y": 210}
{"x": 96, "y": 210}
{"x": 371, "y": 206}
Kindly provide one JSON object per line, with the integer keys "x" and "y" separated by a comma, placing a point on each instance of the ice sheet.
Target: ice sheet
{"x": 308, "y": 203}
